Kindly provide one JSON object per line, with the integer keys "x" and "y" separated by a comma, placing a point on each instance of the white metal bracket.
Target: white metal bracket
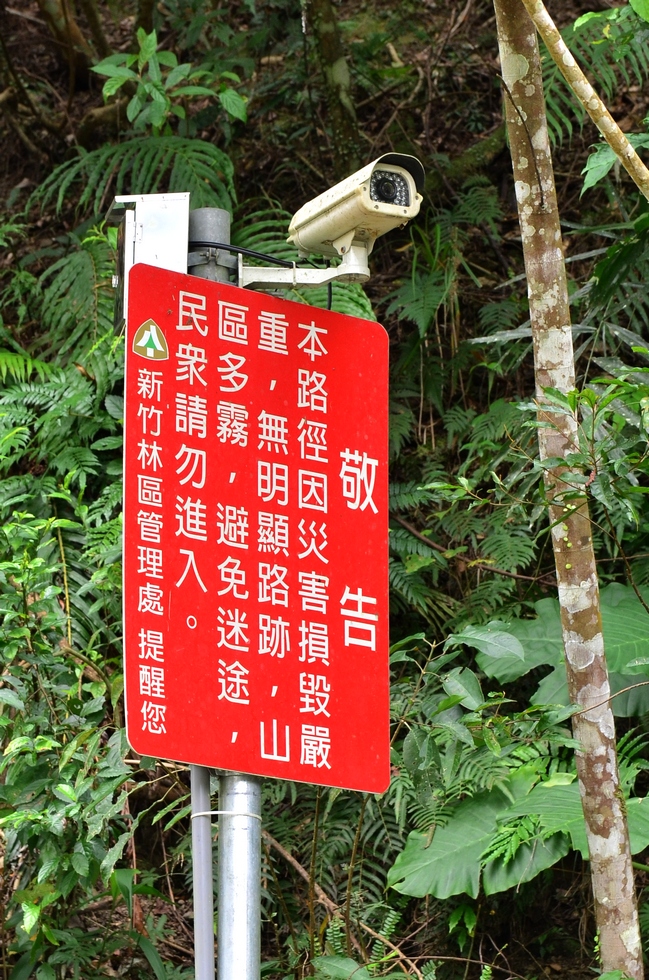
{"x": 353, "y": 268}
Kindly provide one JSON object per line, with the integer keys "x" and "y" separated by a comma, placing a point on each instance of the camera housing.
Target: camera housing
{"x": 385, "y": 194}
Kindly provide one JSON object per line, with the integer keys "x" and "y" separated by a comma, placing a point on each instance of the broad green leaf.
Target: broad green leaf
{"x": 234, "y": 104}
{"x": 121, "y": 883}
{"x": 408, "y": 641}
{"x": 339, "y": 968}
{"x": 463, "y": 682}
{"x": 530, "y": 859}
{"x": 449, "y": 862}
{"x": 491, "y": 641}
{"x": 641, "y": 8}
{"x": 80, "y": 863}
{"x": 23, "y": 968}
{"x": 111, "y": 70}
{"x": 177, "y": 74}
{"x": 115, "y": 406}
{"x": 626, "y": 640}
{"x": 148, "y": 44}
{"x": 539, "y": 642}
{"x": 152, "y": 955}
{"x": 601, "y": 160}
{"x": 31, "y": 915}
{"x": 65, "y": 792}
{"x": 7, "y": 696}
{"x": 559, "y": 810}
{"x": 194, "y": 90}
{"x": 42, "y": 743}
{"x": 113, "y": 85}
{"x": 108, "y": 442}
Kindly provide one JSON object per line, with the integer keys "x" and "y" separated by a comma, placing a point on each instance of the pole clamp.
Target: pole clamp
{"x": 226, "y": 813}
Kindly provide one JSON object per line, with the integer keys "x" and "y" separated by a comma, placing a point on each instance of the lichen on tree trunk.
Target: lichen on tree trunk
{"x": 345, "y": 140}
{"x": 588, "y": 684}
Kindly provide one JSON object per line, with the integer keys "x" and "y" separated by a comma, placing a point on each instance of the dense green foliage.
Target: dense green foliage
{"x": 483, "y": 796}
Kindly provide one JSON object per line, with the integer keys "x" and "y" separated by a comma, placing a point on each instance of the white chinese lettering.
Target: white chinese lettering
{"x": 151, "y": 645}
{"x": 191, "y": 363}
{"x": 149, "y": 490}
{"x": 312, "y": 490}
{"x": 272, "y": 482}
{"x": 314, "y": 591}
{"x": 149, "y": 383}
{"x": 315, "y": 746}
{"x": 314, "y": 644}
{"x": 312, "y": 345}
{"x": 191, "y": 414}
{"x": 314, "y": 694}
{"x": 190, "y": 566}
{"x": 273, "y": 432}
{"x": 193, "y": 459}
{"x": 232, "y": 523}
{"x": 360, "y": 625}
{"x": 149, "y": 561}
{"x": 313, "y": 440}
{"x": 308, "y": 539}
{"x": 154, "y": 717}
{"x": 150, "y": 526}
{"x": 234, "y": 683}
{"x": 273, "y": 636}
{"x": 272, "y": 332}
{"x": 310, "y": 390}
{"x": 192, "y": 518}
{"x": 274, "y": 751}
{"x": 147, "y": 413}
{"x": 230, "y": 372}
{"x": 232, "y": 630}
{"x": 232, "y": 322}
{"x": 152, "y": 681}
{"x": 191, "y": 312}
{"x": 358, "y": 474}
{"x": 233, "y": 577}
{"x": 272, "y": 532}
{"x": 149, "y": 455}
{"x": 232, "y": 423}
{"x": 150, "y": 599}
{"x": 272, "y": 585}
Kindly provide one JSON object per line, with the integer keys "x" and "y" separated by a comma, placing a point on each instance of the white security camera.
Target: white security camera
{"x": 383, "y": 195}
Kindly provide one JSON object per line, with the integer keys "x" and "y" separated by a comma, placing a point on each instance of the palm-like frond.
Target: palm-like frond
{"x": 150, "y": 165}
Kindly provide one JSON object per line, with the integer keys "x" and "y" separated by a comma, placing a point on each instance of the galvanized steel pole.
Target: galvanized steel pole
{"x": 202, "y": 874}
{"x": 239, "y": 928}
{"x": 211, "y": 224}
{"x": 239, "y": 880}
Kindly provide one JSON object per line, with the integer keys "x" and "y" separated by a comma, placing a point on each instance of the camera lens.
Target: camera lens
{"x": 389, "y": 188}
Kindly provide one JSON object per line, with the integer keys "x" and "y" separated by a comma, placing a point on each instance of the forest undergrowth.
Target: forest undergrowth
{"x": 474, "y": 862}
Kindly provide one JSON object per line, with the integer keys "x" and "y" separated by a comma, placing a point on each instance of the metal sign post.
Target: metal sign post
{"x": 239, "y": 927}
{"x": 255, "y": 555}
{"x": 239, "y": 875}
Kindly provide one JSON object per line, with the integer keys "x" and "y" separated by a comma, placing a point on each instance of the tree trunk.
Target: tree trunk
{"x": 604, "y": 812}
{"x": 344, "y": 129}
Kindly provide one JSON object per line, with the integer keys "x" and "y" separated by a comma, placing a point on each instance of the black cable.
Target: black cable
{"x": 243, "y": 251}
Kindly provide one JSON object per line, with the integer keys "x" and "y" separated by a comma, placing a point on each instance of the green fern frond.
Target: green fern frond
{"x": 611, "y": 45}
{"x": 19, "y": 367}
{"x": 402, "y": 542}
{"x": 509, "y": 549}
{"x": 408, "y": 496}
{"x": 78, "y": 297}
{"x": 142, "y": 166}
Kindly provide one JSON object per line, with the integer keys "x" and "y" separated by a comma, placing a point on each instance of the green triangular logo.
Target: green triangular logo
{"x": 150, "y": 342}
